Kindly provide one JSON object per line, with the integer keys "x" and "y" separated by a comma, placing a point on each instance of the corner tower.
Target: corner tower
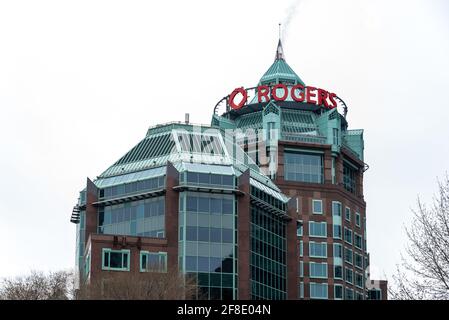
{"x": 307, "y": 150}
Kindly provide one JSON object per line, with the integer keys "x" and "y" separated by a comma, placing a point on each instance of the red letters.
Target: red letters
{"x": 232, "y": 97}
{"x": 299, "y": 98}
{"x": 310, "y": 94}
{"x": 263, "y": 91}
{"x": 275, "y": 89}
{"x": 322, "y": 98}
{"x": 333, "y": 102}
{"x": 298, "y": 93}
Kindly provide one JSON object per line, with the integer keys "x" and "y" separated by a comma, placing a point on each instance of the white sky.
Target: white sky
{"x": 81, "y": 81}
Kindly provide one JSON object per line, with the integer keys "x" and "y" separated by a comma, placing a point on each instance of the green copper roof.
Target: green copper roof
{"x": 280, "y": 71}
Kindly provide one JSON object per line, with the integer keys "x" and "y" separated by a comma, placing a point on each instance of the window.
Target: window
{"x": 348, "y": 214}
{"x": 207, "y": 179}
{"x": 348, "y": 255}
{"x": 301, "y": 249}
{"x": 317, "y": 206}
{"x": 298, "y": 204}
{"x": 153, "y": 261}
{"x": 336, "y": 208}
{"x": 318, "y": 290}
{"x": 357, "y": 219}
{"x": 318, "y": 270}
{"x": 301, "y": 269}
{"x": 358, "y": 241}
{"x": 358, "y": 296}
{"x": 317, "y": 229}
{"x": 87, "y": 266}
{"x": 338, "y": 292}
{"x": 117, "y": 260}
{"x": 349, "y": 275}
{"x": 359, "y": 280}
{"x": 301, "y": 290}
{"x": 143, "y": 218}
{"x": 349, "y": 294}
{"x": 358, "y": 260}
{"x": 299, "y": 228}
{"x": 335, "y": 136}
{"x": 349, "y": 176}
{"x": 318, "y": 249}
{"x": 271, "y": 131}
{"x": 338, "y": 250}
{"x": 303, "y": 167}
{"x": 338, "y": 272}
{"x": 374, "y": 294}
{"x": 337, "y": 231}
{"x": 348, "y": 235}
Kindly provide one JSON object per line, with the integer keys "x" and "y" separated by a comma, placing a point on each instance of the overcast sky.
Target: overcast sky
{"x": 81, "y": 81}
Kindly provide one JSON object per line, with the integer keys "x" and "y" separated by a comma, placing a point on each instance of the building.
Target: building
{"x": 377, "y": 289}
{"x": 275, "y": 211}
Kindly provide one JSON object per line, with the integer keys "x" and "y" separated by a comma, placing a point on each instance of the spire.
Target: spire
{"x": 279, "y": 52}
{"x": 280, "y": 71}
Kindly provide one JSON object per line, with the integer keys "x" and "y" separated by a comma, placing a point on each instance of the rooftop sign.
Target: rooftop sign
{"x": 280, "y": 92}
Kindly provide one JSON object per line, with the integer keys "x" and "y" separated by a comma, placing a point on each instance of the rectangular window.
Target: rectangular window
{"x": 374, "y": 294}
{"x": 348, "y": 214}
{"x": 357, "y": 219}
{"x": 317, "y": 206}
{"x": 299, "y": 228}
{"x": 348, "y": 235}
{"x": 335, "y": 136}
{"x": 318, "y": 270}
{"x": 338, "y": 250}
{"x": 318, "y": 290}
{"x": 349, "y": 294}
{"x": 358, "y": 241}
{"x": 358, "y": 296}
{"x": 348, "y": 255}
{"x": 318, "y": 249}
{"x": 338, "y": 292}
{"x": 301, "y": 249}
{"x": 337, "y": 232}
{"x": 301, "y": 290}
{"x": 349, "y": 276}
{"x": 349, "y": 176}
{"x": 303, "y": 167}
{"x": 117, "y": 260}
{"x": 153, "y": 261}
{"x": 301, "y": 269}
{"x": 317, "y": 229}
{"x": 336, "y": 208}
{"x": 338, "y": 272}
{"x": 359, "y": 280}
{"x": 358, "y": 260}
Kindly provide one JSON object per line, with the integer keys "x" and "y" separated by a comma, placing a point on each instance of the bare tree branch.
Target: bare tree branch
{"x": 424, "y": 273}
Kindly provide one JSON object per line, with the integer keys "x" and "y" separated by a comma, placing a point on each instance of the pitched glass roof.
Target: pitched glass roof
{"x": 134, "y": 176}
{"x": 189, "y": 148}
{"x": 280, "y": 72}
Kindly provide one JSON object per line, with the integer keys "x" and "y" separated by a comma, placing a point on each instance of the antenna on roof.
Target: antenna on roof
{"x": 279, "y": 50}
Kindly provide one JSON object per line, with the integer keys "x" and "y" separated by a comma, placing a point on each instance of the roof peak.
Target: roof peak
{"x": 279, "y": 52}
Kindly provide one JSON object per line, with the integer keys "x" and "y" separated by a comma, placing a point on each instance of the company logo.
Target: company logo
{"x": 280, "y": 92}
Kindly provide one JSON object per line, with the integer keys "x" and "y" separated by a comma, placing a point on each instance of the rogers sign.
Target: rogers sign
{"x": 298, "y": 93}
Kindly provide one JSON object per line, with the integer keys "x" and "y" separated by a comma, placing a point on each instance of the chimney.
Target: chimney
{"x": 187, "y": 118}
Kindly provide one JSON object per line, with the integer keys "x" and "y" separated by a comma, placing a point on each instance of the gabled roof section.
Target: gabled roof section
{"x": 280, "y": 71}
{"x": 189, "y": 148}
{"x": 150, "y": 147}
